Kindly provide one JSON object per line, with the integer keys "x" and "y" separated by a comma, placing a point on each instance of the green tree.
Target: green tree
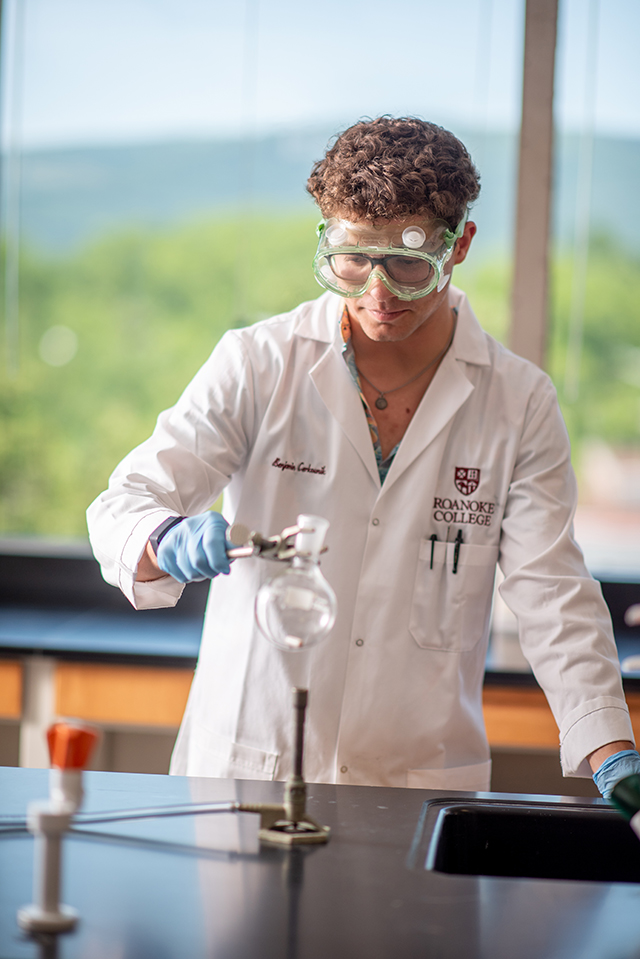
{"x": 146, "y": 308}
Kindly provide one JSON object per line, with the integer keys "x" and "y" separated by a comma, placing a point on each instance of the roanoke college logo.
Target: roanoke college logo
{"x": 466, "y": 480}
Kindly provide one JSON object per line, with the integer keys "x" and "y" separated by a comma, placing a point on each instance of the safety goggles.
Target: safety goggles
{"x": 409, "y": 263}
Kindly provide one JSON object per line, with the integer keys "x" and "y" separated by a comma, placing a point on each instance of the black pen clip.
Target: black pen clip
{"x": 456, "y": 550}
{"x": 433, "y": 539}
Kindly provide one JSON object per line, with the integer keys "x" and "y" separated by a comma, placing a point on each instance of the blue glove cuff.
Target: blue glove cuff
{"x": 195, "y": 548}
{"x": 616, "y": 767}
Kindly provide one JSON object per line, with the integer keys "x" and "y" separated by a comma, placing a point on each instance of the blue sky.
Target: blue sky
{"x": 97, "y": 71}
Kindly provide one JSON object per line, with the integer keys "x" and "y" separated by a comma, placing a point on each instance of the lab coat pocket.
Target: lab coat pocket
{"x": 450, "y": 611}
{"x": 212, "y": 755}
{"x": 474, "y": 778}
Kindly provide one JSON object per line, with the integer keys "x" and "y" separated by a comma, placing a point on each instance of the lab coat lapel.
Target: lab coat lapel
{"x": 333, "y": 382}
{"x": 448, "y": 390}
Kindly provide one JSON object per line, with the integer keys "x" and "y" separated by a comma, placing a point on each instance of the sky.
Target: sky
{"x": 114, "y": 71}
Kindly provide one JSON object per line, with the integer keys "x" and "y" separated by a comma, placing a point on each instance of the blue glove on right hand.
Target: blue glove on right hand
{"x": 195, "y": 549}
{"x": 616, "y": 767}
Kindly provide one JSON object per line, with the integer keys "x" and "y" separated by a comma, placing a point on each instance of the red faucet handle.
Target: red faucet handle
{"x": 71, "y": 744}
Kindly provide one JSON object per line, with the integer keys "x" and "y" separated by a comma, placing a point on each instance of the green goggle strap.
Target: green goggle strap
{"x": 451, "y": 237}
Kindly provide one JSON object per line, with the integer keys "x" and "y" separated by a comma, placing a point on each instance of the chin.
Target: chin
{"x": 386, "y": 333}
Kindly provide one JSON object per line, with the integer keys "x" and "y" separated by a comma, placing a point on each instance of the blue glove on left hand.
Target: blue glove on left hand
{"x": 195, "y": 549}
{"x": 615, "y": 768}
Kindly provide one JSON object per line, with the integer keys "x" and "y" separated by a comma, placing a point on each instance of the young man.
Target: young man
{"x": 433, "y": 452}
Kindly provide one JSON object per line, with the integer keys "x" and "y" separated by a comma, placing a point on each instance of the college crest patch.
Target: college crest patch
{"x": 466, "y": 479}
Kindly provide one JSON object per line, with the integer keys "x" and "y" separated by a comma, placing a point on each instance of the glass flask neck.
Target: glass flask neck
{"x": 307, "y": 563}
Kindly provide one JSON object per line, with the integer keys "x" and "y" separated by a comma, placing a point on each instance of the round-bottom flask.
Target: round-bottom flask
{"x": 297, "y": 608}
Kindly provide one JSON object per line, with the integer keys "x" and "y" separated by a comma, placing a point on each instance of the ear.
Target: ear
{"x": 464, "y": 242}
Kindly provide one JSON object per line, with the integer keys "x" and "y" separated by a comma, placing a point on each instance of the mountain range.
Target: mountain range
{"x": 72, "y": 195}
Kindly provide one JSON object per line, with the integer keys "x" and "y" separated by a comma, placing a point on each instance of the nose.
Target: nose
{"x": 377, "y": 288}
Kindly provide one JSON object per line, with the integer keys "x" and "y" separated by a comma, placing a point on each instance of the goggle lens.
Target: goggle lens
{"x": 356, "y": 267}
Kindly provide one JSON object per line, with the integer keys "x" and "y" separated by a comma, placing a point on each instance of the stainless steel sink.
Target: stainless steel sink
{"x": 542, "y": 840}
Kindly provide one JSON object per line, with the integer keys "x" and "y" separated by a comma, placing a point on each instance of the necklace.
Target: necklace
{"x": 381, "y": 403}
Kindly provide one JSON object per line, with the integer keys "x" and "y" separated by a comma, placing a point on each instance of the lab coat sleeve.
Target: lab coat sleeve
{"x": 181, "y": 469}
{"x": 564, "y": 624}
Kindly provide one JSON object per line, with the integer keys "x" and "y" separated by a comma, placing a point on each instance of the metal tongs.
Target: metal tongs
{"x": 244, "y": 543}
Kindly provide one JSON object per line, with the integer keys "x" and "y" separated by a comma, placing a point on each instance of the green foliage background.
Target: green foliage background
{"x": 148, "y": 307}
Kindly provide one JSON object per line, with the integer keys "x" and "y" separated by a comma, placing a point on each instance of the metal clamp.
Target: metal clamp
{"x": 245, "y": 543}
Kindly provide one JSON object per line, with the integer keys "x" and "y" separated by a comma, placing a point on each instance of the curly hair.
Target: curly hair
{"x": 392, "y": 168}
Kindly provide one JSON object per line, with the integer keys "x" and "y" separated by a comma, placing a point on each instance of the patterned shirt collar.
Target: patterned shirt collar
{"x": 384, "y": 465}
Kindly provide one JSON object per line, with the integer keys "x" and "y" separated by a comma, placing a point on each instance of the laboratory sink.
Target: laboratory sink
{"x": 541, "y": 840}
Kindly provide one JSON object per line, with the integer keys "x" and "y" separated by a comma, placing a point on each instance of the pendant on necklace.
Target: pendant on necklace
{"x": 381, "y": 403}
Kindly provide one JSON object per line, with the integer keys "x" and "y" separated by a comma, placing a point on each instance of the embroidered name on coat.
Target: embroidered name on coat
{"x": 301, "y": 467}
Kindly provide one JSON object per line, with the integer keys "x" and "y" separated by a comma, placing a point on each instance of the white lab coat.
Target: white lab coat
{"x": 395, "y": 691}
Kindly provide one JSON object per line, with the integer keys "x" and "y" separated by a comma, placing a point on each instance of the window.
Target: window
{"x": 156, "y": 155}
{"x": 595, "y": 339}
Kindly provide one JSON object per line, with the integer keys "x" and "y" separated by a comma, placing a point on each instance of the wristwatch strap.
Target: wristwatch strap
{"x": 161, "y": 531}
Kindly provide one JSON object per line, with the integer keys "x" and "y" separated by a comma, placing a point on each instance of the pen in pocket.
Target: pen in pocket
{"x": 434, "y": 540}
{"x": 456, "y": 550}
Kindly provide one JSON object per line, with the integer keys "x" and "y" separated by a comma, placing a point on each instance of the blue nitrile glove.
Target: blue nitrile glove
{"x": 615, "y": 768}
{"x": 195, "y": 549}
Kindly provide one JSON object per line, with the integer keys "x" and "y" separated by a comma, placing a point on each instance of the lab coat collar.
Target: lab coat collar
{"x": 447, "y": 392}
{"x": 470, "y": 341}
{"x": 334, "y": 382}
{"x": 318, "y": 319}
